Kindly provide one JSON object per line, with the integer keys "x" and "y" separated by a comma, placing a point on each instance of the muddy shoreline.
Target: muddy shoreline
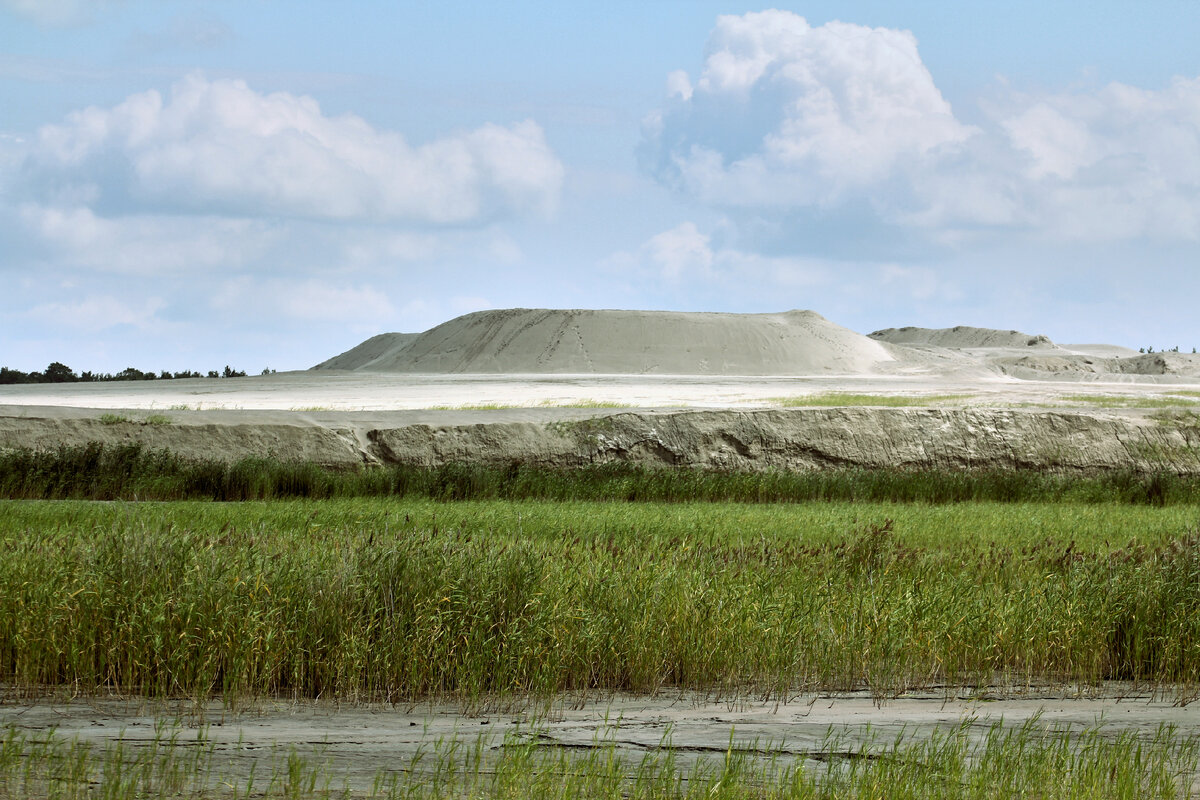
{"x": 358, "y": 742}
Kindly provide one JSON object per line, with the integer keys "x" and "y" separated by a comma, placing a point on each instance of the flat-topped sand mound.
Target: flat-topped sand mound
{"x": 960, "y": 336}
{"x": 622, "y": 342}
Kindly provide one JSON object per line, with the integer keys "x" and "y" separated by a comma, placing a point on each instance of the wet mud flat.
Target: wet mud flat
{"x": 359, "y": 747}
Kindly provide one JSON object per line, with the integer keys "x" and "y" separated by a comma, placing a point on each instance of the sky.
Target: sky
{"x": 185, "y": 185}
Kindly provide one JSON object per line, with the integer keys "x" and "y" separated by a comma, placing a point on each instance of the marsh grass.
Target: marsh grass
{"x": 149, "y": 419}
{"x": 408, "y": 602}
{"x": 585, "y": 403}
{"x": 474, "y": 407}
{"x": 131, "y": 471}
{"x": 953, "y": 762}
{"x": 838, "y": 399}
{"x": 1129, "y": 401}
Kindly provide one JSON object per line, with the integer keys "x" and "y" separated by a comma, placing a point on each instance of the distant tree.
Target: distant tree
{"x": 10, "y": 376}
{"x": 212, "y": 373}
{"x": 133, "y": 374}
{"x": 59, "y": 372}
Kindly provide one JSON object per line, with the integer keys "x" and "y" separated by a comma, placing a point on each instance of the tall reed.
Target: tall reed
{"x": 427, "y": 608}
{"x": 129, "y": 471}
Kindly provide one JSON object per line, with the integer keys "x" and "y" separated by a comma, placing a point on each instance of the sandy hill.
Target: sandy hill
{"x": 363, "y": 355}
{"x": 960, "y": 336}
{"x": 622, "y": 342}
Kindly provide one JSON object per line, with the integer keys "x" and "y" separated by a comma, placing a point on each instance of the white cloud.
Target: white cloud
{"x": 55, "y": 13}
{"x": 917, "y": 283}
{"x": 325, "y": 302}
{"x": 306, "y": 301}
{"x": 220, "y": 147}
{"x": 98, "y": 313}
{"x": 785, "y": 113}
{"x": 681, "y": 251}
{"x": 1120, "y": 162}
{"x": 684, "y": 255}
{"x": 145, "y": 244}
{"x": 790, "y": 120}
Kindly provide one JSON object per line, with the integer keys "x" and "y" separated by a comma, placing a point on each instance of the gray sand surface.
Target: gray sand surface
{"x": 357, "y": 741}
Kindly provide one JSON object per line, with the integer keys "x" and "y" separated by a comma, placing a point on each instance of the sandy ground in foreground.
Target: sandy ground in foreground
{"x": 358, "y": 741}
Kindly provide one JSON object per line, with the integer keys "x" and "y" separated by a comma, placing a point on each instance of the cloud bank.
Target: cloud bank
{"x": 220, "y": 147}
{"x": 787, "y": 119}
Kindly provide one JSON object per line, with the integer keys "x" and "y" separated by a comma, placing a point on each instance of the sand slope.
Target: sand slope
{"x": 622, "y": 342}
{"x": 960, "y": 336}
{"x": 1086, "y": 440}
{"x": 385, "y": 345}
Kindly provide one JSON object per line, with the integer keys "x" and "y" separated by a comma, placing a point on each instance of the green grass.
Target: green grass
{"x": 1127, "y": 401}
{"x": 839, "y": 399}
{"x": 951, "y": 763}
{"x": 149, "y": 419}
{"x": 407, "y": 601}
{"x": 131, "y": 471}
{"x": 475, "y": 407}
{"x": 585, "y": 403}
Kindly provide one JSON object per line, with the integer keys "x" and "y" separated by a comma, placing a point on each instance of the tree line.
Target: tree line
{"x": 57, "y": 372}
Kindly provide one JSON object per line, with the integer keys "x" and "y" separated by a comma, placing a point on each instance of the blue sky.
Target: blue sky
{"x": 185, "y": 185}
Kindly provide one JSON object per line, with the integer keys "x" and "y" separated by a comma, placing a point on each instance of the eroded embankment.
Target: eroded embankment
{"x": 804, "y": 438}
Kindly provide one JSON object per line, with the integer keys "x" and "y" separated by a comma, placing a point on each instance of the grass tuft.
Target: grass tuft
{"x": 840, "y": 399}
{"x": 1128, "y": 401}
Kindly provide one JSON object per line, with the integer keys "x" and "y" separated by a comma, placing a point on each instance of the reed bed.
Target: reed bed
{"x": 130, "y": 471}
{"x": 416, "y": 600}
{"x": 952, "y": 763}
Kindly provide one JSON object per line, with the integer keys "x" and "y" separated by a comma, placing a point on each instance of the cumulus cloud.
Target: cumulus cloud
{"x": 220, "y": 147}
{"x": 786, "y": 118}
{"x": 785, "y": 113}
{"x": 1115, "y": 163}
